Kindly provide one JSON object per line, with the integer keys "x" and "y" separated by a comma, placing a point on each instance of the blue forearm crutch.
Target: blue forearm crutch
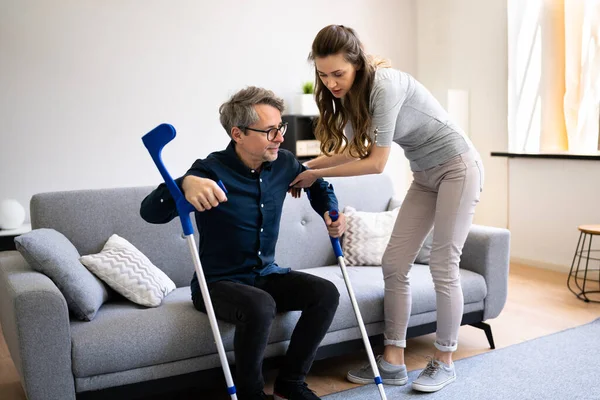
{"x": 337, "y": 249}
{"x": 154, "y": 141}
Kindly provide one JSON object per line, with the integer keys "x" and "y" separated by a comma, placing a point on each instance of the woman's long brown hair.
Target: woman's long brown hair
{"x": 334, "y": 115}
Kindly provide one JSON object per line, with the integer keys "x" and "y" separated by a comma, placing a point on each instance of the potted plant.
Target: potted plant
{"x": 308, "y": 87}
{"x": 305, "y": 102}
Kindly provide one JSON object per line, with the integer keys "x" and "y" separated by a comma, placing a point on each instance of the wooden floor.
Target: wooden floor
{"x": 538, "y": 304}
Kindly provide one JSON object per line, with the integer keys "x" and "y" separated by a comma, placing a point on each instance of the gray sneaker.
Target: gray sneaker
{"x": 434, "y": 377}
{"x": 364, "y": 375}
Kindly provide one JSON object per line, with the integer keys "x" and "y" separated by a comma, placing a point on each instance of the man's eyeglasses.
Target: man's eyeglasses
{"x": 271, "y": 133}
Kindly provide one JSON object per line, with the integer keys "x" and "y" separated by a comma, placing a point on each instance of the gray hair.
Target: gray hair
{"x": 239, "y": 109}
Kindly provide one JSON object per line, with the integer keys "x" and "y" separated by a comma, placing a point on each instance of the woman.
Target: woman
{"x": 376, "y": 105}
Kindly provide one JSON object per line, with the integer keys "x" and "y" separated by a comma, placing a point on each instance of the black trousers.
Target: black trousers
{"x": 253, "y": 308}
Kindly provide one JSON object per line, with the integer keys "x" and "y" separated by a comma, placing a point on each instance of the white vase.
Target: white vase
{"x": 12, "y": 214}
{"x": 305, "y": 104}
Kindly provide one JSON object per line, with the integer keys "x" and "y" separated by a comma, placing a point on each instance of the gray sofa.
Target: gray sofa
{"x": 127, "y": 346}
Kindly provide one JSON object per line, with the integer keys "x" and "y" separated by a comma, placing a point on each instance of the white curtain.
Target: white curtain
{"x": 582, "y": 73}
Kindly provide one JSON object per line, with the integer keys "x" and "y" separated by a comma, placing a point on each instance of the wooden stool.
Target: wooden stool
{"x": 575, "y": 278}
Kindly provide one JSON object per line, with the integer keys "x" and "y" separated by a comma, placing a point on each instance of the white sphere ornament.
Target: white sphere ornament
{"x": 12, "y": 214}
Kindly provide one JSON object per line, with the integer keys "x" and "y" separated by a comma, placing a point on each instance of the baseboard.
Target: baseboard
{"x": 541, "y": 264}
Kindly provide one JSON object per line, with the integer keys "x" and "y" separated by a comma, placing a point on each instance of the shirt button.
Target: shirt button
{"x": 261, "y": 229}
{"x": 303, "y": 222}
{"x": 262, "y": 205}
{"x": 259, "y": 253}
{"x": 252, "y": 171}
{"x": 260, "y": 179}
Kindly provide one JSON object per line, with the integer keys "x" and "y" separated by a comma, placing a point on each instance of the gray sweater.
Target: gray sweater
{"x": 405, "y": 112}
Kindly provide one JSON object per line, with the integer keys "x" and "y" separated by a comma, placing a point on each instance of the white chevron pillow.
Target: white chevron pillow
{"x": 129, "y": 272}
{"x": 367, "y": 235}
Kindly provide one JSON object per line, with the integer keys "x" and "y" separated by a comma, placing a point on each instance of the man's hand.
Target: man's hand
{"x": 337, "y": 228}
{"x": 305, "y": 179}
{"x": 202, "y": 193}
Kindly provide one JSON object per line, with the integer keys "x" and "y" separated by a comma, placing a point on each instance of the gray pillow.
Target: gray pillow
{"x": 425, "y": 252}
{"x": 51, "y": 253}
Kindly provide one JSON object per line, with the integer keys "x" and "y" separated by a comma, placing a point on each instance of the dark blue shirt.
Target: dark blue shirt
{"x": 238, "y": 238}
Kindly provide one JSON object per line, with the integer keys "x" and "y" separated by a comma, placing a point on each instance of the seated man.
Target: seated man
{"x": 238, "y": 233}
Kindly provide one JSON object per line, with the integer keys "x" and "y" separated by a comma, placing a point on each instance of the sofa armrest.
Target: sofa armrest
{"x": 487, "y": 252}
{"x": 35, "y": 323}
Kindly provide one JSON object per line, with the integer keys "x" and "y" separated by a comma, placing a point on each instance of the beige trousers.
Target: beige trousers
{"x": 444, "y": 197}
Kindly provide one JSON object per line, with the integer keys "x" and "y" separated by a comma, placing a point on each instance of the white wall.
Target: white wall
{"x": 462, "y": 44}
{"x": 548, "y": 200}
{"x": 81, "y": 81}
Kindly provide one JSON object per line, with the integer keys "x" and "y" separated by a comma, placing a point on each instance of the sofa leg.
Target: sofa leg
{"x": 488, "y": 332}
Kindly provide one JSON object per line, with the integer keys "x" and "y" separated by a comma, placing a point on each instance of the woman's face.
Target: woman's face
{"x": 336, "y": 73}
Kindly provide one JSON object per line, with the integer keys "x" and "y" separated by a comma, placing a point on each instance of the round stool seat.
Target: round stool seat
{"x": 590, "y": 229}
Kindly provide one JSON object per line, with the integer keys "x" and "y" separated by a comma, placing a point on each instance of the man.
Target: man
{"x": 238, "y": 233}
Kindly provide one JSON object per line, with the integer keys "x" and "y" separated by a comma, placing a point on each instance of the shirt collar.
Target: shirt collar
{"x": 238, "y": 165}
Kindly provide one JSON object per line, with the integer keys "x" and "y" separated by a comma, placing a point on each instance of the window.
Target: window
{"x": 554, "y": 75}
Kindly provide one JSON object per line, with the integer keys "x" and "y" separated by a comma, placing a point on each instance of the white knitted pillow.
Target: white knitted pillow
{"x": 367, "y": 235}
{"x": 129, "y": 272}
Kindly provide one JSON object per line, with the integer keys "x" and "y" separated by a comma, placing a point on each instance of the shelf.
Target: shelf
{"x": 555, "y": 156}
{"x": 7, "y": 236}
{"x": 16, "y": 232}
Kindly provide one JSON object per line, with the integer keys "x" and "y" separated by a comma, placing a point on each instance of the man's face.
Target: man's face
{"x": 254, "y": 147}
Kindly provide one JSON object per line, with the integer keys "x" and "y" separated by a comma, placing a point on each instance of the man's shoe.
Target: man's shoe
{"x": 389, "y": 375}
{"x": 434, "y": 377}
{"x": 293, "y": 391}
{"x": 261, "y": 395}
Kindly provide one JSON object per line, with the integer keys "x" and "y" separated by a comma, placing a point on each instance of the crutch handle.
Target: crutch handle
{"x": 222, "y": 186}
{"x": 154, "y": 141}
{"x": 334, "y": 215}
{"x": 335, "y": 242}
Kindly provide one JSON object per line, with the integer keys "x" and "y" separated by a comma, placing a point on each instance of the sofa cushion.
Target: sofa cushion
{"x": 368, "y": 285}
{"x": 302, "y": 228}
{"x": 129, "y": 272}
{"x": 51, "y": 253}
{"x": 125, "y": 336}
{"x": 89, "y": 217}
{"x": 368, "y": 233}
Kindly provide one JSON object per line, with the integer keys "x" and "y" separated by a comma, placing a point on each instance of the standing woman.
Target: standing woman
{"x": 364, "y": 105}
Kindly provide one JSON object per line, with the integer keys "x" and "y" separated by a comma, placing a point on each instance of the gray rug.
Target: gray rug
{"x": 564, "y": 365}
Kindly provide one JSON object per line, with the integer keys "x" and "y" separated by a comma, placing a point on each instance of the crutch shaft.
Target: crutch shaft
{"x": 210, "y": 312}
{"x": 337, "y": 249}
{"x": 155, "y": 141}
{"x": 361, "y": 326}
